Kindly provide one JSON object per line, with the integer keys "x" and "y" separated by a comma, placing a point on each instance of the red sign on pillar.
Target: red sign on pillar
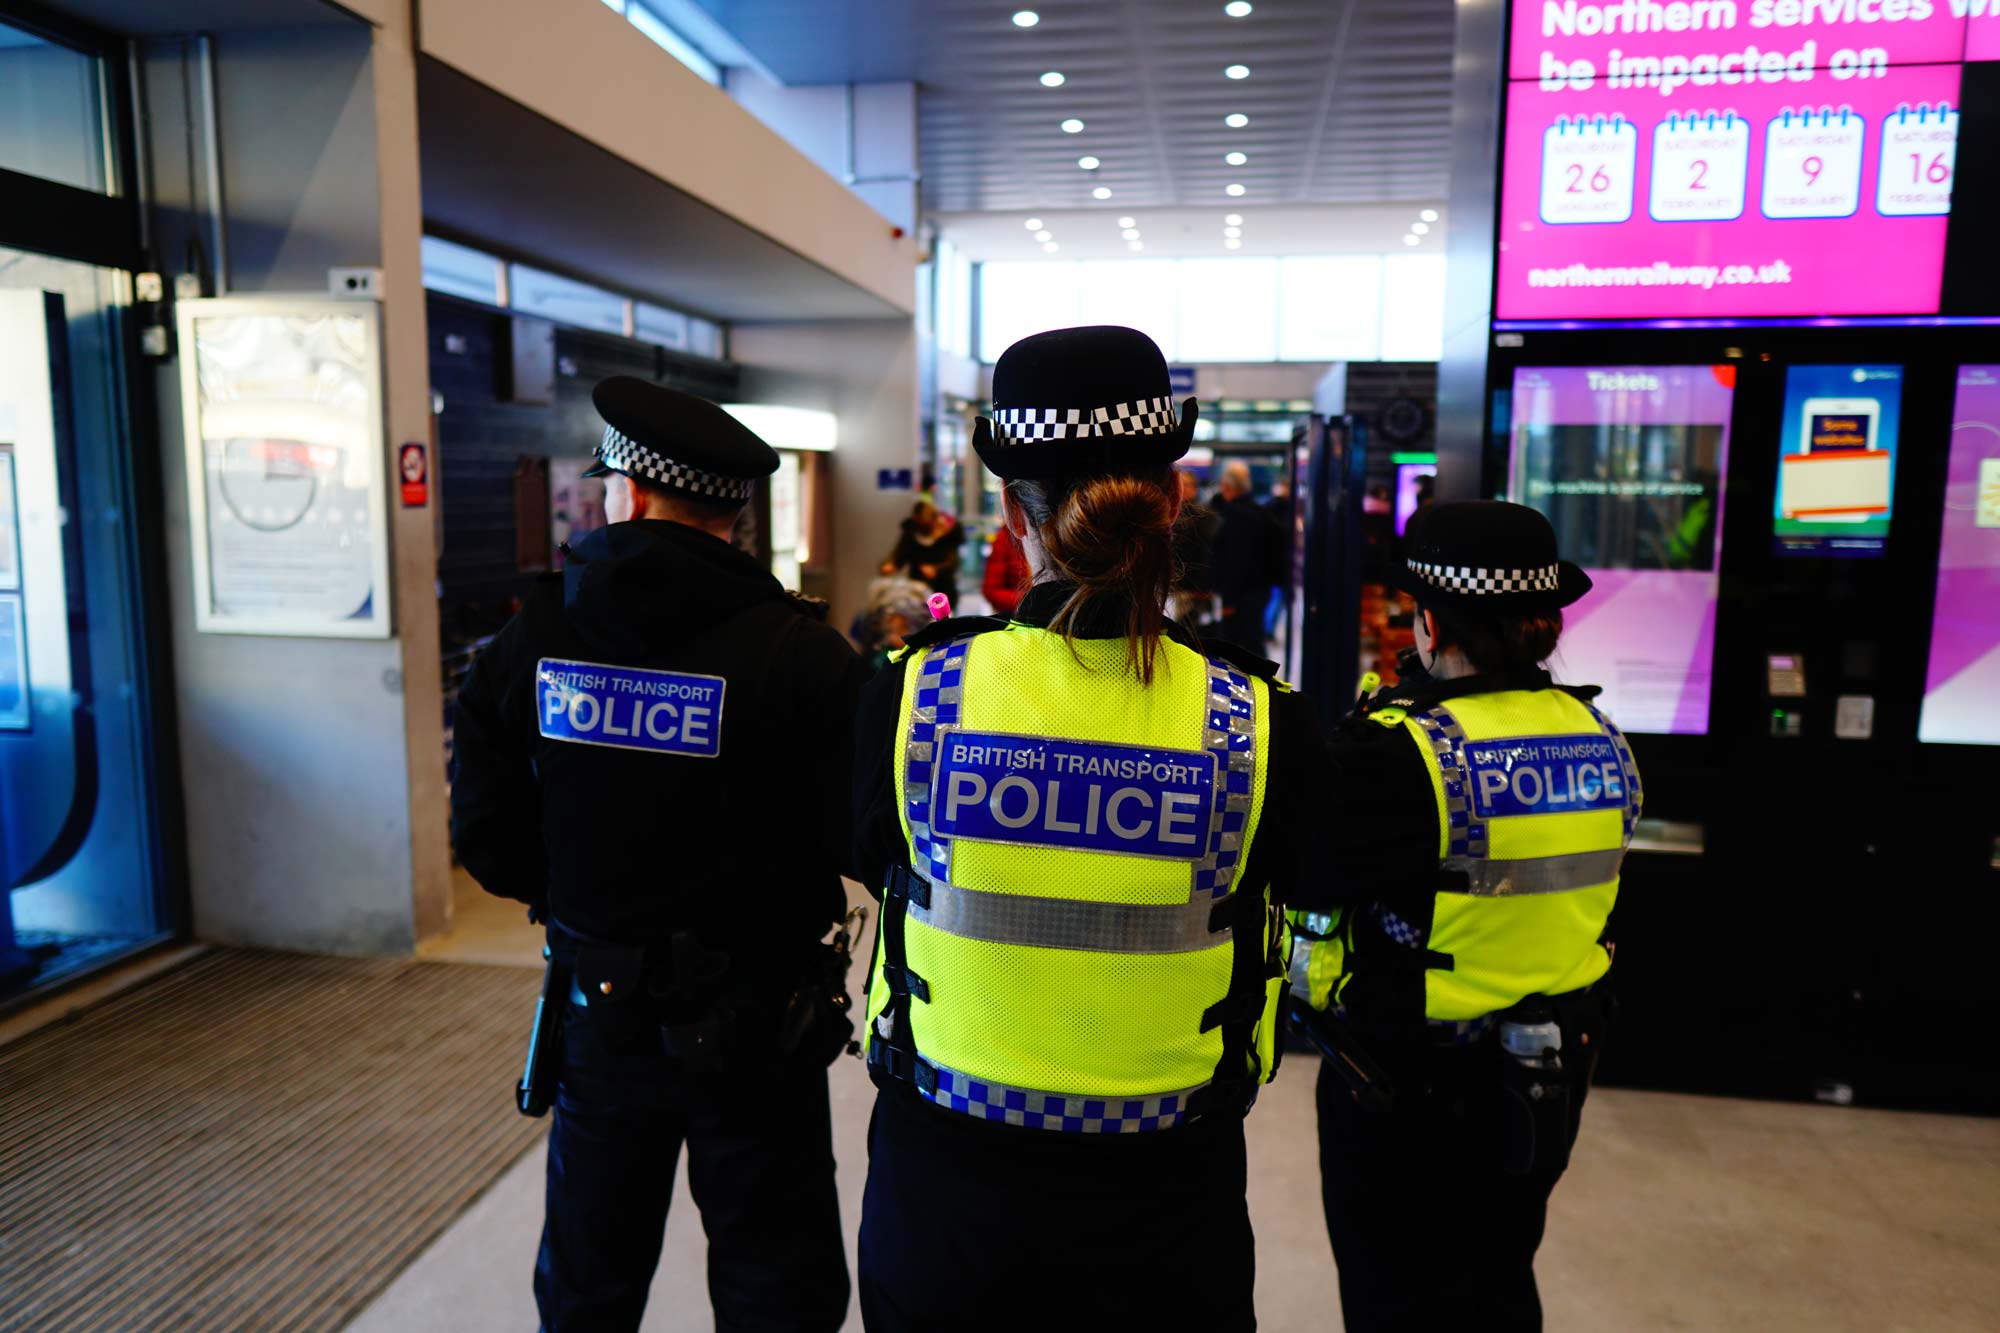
{"x": 413, "y": 461}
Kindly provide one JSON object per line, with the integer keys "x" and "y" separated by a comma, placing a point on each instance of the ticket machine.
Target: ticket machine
{"x": 1741, "y": 310}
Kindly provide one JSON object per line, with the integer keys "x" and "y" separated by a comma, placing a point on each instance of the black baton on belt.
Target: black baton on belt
{"x": 1363, "y": 1078}
{"x": 537, "y": 1089}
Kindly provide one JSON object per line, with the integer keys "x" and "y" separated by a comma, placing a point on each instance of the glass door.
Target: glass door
{"x": 81, "y": 861}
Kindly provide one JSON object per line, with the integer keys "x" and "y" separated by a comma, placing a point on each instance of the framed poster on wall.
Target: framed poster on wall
{"x": 282, "y": 402}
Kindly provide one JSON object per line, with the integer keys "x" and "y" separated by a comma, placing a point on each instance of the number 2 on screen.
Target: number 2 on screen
{"x": 1701, "y": 167}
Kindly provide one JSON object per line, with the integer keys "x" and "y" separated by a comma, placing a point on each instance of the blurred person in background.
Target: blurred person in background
{"x": 1248, "y": 559}
{"x": 1006, "y": 573}
{"x": 929, "y": 548}
{"x": 1194, "y": 553}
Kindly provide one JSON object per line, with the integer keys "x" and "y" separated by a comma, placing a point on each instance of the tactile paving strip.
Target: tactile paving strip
{"x": 253, "y": 1141}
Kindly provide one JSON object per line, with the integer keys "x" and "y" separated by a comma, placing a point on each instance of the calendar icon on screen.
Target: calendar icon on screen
{"x": 1812, "y": 163}
{"x": 1701, "y": 167}
{"x": 1588, "y": 166}
{"x": 1919, "y": 157}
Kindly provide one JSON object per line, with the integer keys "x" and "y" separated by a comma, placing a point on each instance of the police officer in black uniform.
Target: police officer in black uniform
{"x": 655, "y": 755}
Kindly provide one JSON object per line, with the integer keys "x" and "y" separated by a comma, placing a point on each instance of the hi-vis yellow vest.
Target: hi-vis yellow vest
{"x": 1070, "y": 951}
{"x": 1537, "y": 794}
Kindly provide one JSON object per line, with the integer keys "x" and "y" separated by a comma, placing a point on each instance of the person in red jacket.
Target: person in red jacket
{"x": 1006, "y": 573}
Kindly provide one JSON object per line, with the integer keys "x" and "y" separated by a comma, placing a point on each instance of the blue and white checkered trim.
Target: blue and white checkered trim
{"x": 1398, "y": 928}
{"x": 940, "y": 688}
{"x": 621, "y": 453}
{"x": 1232, "y": 735}
{"x": 1635, "y": 796}
{"x": 1480, "y": 581}
{"x": 1027, "y": 425}
{"x": 1067, "y": 1114}
{"x": 1466, "y": 835}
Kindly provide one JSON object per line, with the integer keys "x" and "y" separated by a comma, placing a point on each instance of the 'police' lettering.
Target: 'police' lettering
{"x": 1545, "y": 775}
{"x": 630, "y": 708}
{"x": 993, "y": 787}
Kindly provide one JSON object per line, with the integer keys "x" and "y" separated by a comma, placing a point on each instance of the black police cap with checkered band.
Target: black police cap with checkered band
{"x": 1074, "y": 401}
{"x": 1486, "y": 556}
{"x": 677, "y": 441}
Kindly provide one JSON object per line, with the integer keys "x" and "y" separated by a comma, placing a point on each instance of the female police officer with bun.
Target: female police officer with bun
{"x": 1077, "y": 819}
{"x": 1480, "y": 813}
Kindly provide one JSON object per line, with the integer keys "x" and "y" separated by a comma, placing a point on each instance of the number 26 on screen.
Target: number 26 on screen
{"x": 1588, "y": 168}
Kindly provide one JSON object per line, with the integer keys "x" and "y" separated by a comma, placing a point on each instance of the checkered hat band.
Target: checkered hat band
{"x": 1480, "y": 582}
{"x": 627, "y": 455}
{"x": 1028, "y": 425}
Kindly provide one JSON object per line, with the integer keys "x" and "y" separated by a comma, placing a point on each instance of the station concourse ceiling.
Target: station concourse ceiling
{"x": 1349, "y": 101}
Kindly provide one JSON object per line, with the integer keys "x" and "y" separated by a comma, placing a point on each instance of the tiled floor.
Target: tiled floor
{"x": 1678, "y": 1213}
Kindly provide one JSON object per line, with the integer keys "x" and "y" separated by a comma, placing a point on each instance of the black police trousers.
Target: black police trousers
{"x": 968, "y": 1226}
{"x": 760, "y": 1166}
{"x": 1429, "y": 1231}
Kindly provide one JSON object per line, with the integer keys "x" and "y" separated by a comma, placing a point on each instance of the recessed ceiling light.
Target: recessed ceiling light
{"x": 1233, "y": 191}
{"x": 1033, "y": 224}
{"x": 1235, "y": 159}
{"x": 1232, "y": 231}
{"x": 1128, "y": 222}
{"x": 1232, "y": 244}
{"x": 1233, "y": 220}
{"x": 1236, "y": 72}
{"x": 1050, "y": 247}
{"x": 1026, "y": 18}
{"x": 1136, "y": 245}
{"x": 1429, "y": 215}
{"x": 1045, "y": 236}
{"x": 1420, "y": 228}
{"x": 1089, "y": 163}
{"x": 1237, "y": 9}
{"x": 1130, "y": 233}
{"x": 1413, "y": 240}
{"x": 1101, "y": 192}
{"x": 1072, "y": 126}
{"x": 1052, "y": 80}
{"x": 1236, "y": 120}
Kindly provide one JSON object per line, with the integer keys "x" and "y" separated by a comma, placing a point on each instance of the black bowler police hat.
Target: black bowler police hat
{"x": 677, "y": 441}
{"x": 1075, "y": 401}
{"x": 1486, "y": 556}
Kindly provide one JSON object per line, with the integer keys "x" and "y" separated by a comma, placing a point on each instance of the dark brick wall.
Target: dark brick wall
{"x": 480, "y": 438}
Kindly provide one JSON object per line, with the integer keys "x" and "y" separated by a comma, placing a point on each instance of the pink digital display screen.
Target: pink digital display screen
{"x": 1962, "y": 680}
{"x": 1628, "y": 464}
{"x": 1729, "y": 158}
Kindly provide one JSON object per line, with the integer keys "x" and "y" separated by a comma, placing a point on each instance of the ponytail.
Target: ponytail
{"x": 1111, "y": 535}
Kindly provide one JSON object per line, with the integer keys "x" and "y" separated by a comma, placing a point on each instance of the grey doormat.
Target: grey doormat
{"x": 253, "y": 1141}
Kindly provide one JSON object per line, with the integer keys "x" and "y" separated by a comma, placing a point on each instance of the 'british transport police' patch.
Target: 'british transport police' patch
{"x": 1545, "y": 775}
{"x": 632, "y": 708}
{"x": 1082, "y": 795}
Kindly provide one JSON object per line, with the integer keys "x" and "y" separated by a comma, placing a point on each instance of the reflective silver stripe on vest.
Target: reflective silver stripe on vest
{"x": 1070, "y": 923}
{"x": 1230, "y": 733}
{"x": 1536, "y": 874}
{"x": 1064, "y": 1113}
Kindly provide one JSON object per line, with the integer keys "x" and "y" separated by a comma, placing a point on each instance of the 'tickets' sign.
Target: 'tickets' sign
{"x": 1669, "y": 160}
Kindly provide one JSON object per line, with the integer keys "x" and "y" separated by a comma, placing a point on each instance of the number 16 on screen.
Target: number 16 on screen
{"x": 1588, "y": 166}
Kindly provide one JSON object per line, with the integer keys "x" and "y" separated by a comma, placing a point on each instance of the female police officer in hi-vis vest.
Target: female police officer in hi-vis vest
{"x": 1077, "y": 819}
{"x": 1479, "y": 816}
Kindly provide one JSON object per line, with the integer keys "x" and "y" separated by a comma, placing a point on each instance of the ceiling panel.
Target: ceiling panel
{"x": 1349, "y": 100}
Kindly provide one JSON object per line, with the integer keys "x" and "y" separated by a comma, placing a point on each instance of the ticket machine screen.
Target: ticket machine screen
{"x": 1837, "y": 460}
{"x": 1628, "y": 463}
{"x": 1962, "y": 681}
